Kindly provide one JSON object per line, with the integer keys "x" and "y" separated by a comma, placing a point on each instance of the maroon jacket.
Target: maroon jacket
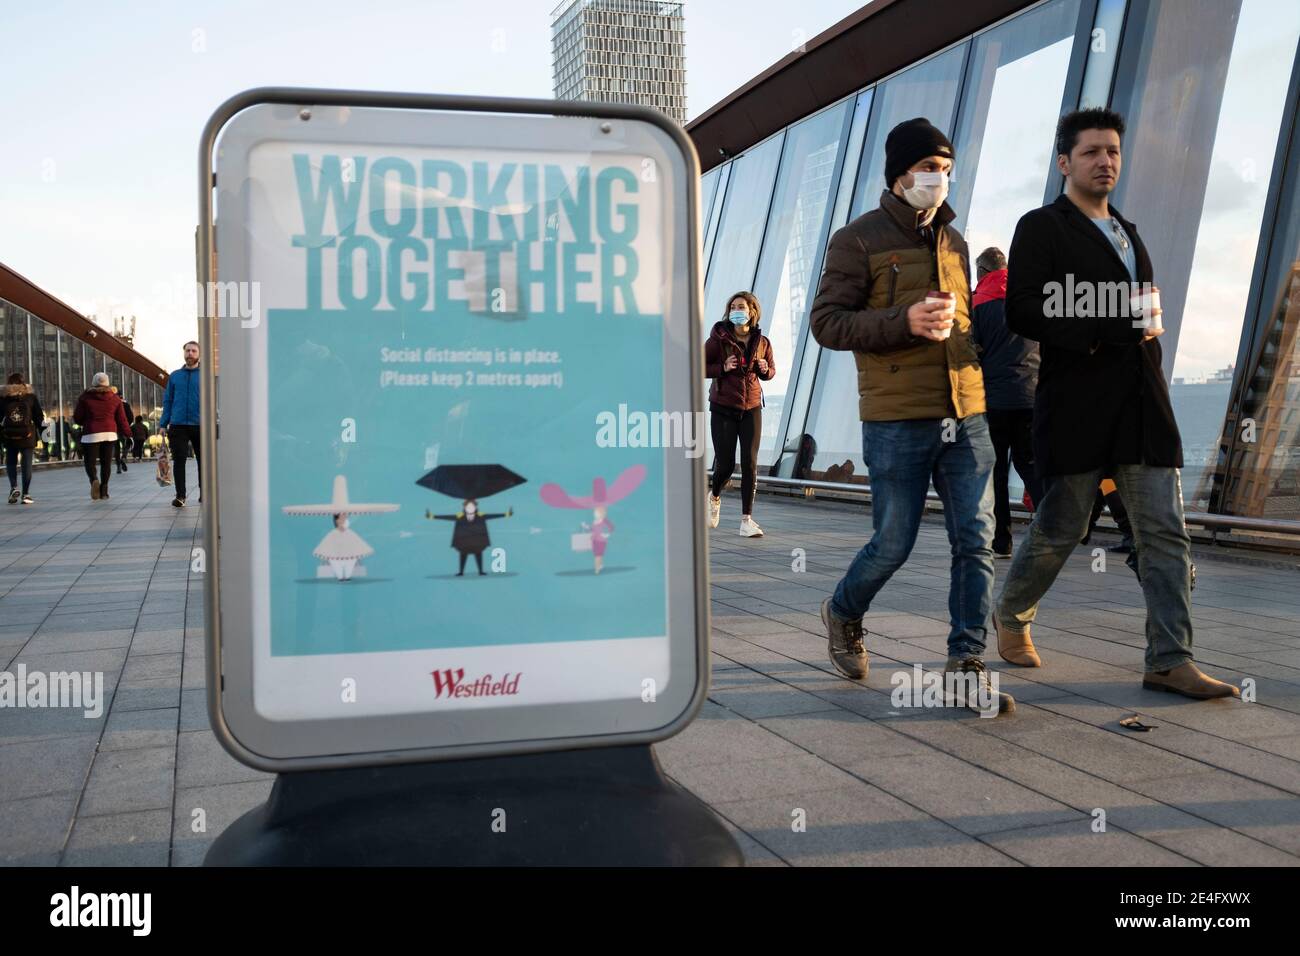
{"x": 740, "y": 387}
{"x": 99, "y": 410}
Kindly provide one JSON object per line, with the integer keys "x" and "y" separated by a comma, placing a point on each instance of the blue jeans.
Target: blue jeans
{"x": 1153, "y": 498}
{"x": 902, "y": 458}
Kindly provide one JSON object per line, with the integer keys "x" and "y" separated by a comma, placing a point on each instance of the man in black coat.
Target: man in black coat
{"x": 1102, "y": 404}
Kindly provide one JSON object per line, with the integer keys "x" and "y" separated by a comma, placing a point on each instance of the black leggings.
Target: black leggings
{"x": 478, "y": 558}
{"x": 12, "y": 455}
{"x": 101, "y": 451}
{"x": 726, "y": 431}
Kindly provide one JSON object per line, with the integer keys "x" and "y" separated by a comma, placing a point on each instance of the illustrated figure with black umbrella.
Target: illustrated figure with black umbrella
{"x": 470, "y": 483}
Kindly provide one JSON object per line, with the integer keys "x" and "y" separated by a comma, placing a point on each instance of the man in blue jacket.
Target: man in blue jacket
{"x": 180, "y": 416}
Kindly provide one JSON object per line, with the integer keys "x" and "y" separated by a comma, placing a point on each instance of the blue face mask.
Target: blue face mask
{"x": 739, "y": 318}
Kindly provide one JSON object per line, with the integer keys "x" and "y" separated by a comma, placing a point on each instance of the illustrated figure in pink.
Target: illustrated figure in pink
{"x": 598, "y": 530}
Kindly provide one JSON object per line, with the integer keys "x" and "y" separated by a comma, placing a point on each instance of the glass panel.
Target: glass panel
{"x": 708, "y": 187}
{"x": 740, "y": 234}
{"x": 1215, "y": 74}
{"x": 72, "y": 358}
{"x": 45, "y": 380}
{"x": 796, "y": 234}
{"x": 1103, "y": 51}
{"x": 811, "y": 360}
{"x": 1011, "y": 102}
{"x": 715, "y": 213}
{"x": 928, "y": 89}
{"x": 1010, "y": 105}
{"x": 1264, "y": 481}
{"x": 13, "y": 340}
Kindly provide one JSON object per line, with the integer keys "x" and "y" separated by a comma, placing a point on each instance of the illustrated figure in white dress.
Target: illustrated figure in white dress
{"x": 342, "y": 549}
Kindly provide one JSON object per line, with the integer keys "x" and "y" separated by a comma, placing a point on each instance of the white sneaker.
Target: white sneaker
{"x": 715, "y": 511}
{"x": 748, "y": 529}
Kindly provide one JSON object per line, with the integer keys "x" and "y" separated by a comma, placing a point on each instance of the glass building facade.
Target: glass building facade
{"x": 1211, "y": 177}
{"x": 59, "y": 367}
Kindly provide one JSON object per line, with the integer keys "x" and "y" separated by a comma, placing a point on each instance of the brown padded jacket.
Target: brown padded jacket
{"x": 877, "y": 266}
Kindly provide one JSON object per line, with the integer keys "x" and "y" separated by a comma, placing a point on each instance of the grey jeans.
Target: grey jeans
{"x": 1154, "y": 499}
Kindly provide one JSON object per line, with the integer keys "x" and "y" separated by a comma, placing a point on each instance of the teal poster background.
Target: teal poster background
{"x": 324, "y": 367}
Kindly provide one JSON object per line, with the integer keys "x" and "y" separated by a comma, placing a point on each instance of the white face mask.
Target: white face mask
{"x": 928, "y": 190}
{"x": 470, "y": 510}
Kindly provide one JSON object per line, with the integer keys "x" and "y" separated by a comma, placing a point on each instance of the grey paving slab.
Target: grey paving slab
{"x": 855, "y": 825}
{"x": 1076, "y": 844}
{"x": 33, "y": 831}
{"x": 126, "y": 781}
{"x": 136, "y": 729}
{"x": 202, "y": 761}
{"x": 124, "y": 839}
{"x": 44, "y": 766}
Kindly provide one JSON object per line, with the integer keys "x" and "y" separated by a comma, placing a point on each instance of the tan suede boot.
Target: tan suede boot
{"x": 1015, "y": 648}
{"x": 1186, "y": 679}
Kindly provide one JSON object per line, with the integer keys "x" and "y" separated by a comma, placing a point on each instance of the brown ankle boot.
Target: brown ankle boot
{"x": 1016, "y": 648}
{"x": 1186, "y": 679}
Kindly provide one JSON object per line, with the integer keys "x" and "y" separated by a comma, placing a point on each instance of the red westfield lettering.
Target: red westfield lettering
{"x": 451, "y": 683}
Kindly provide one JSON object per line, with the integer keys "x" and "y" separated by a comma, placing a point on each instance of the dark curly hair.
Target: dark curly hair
{"x": 1072, "y": 124}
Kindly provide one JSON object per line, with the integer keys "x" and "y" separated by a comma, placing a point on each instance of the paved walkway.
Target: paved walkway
{"x": 808, "y": 768}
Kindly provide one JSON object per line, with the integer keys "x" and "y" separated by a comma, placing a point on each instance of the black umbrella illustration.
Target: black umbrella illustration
{"x": 469, "y": 483}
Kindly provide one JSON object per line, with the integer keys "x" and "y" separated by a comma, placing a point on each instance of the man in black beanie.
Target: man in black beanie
{"x": 896, "y": 292}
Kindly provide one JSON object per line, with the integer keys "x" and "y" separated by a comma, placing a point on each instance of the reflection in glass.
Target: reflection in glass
{"x": 795, "y": 455}
{"x": 740, "y": 233}
{"x": 1265, "y": 432}
{"x": 715, "y": 213}
{"x": 1200, "y": 209}
{"x": 928, "y": 89}
{"x": 791, "y": 248}
{"x": 1010, "y": 105}
{"x": 13, "y": 340}
{"x": 71, "y": 356}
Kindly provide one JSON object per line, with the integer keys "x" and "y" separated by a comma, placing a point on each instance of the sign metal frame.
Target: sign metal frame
{"x": 306, "y": 99}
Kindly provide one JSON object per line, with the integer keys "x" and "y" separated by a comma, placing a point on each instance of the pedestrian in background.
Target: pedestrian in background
{"x": 180, "y": 417}
{"x": 738, "y": 357}
{"x": 21, "y": 419}
{"x": 139, "y": 435}
{"x": 103, "y": 421}
{"x": 1010, "y": 366}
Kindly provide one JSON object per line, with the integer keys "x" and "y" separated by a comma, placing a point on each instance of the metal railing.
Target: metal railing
{"x": 1201, "y": 519}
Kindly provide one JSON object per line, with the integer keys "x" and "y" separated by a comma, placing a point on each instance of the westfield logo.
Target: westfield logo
{"x": 451, "y": 683}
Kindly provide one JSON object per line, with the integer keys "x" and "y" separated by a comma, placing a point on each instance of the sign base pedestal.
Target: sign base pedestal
{"x": 607, "y": 806}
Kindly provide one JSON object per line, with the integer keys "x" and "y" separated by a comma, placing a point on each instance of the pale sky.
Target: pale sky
{"x": 103, "y": 106}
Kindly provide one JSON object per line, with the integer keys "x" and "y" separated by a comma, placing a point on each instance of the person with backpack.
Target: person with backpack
{"x": 103, "y": 420}
{"x": 21, "y": 419}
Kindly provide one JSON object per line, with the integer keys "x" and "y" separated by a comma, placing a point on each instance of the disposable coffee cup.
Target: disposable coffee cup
{"x": 949, "y": 302}
{"x": 1146, "y": 305}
